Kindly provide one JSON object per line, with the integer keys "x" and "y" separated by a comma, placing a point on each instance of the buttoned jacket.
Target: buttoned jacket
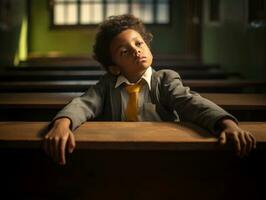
{"x": 172, "y": 101}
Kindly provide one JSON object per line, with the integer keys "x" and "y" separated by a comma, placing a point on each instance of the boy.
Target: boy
{"x": 133, "y": 91}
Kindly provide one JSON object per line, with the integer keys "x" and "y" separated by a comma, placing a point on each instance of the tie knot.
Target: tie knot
{"x": 133, "y": 88}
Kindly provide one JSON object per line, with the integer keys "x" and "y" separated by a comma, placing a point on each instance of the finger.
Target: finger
{"x": 253, "y": 140}
{"x": 71, "y": 142}
{"x": 249, "y": 141}
{"x": 243, "y": 143}
{"x": 51, "y": 147}
{"x": 237, "y": 144}
{"x": 56, "y": 149}
{"x": 62, "y": 147}
{"x": 45, "y": 144}
{"x": 222, "y": 138}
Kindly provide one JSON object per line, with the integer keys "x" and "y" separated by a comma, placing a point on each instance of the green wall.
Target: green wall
{"x": 10, "y": 31}
{"x": 44, "y": 40}
{"x": 234, "y": 44}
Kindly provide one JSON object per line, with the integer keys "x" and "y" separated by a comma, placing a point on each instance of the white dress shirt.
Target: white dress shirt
{"x": 147, "y": 110}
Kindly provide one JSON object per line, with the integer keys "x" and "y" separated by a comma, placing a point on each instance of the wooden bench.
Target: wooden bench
{"x": 131, "y": 161}
{"x": 94, "y": 66}
{"x": 221, "y": 86}
{"x": 81, "y": 62}
{"x": 93, "y": 75}
{"x": 43, "y": 106}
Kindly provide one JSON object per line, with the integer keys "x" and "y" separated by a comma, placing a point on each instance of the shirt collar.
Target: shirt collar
{"x": 146, "y": 76}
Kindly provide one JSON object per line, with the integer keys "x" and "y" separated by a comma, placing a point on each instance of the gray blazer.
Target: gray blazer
{"x": 172, "y": 101}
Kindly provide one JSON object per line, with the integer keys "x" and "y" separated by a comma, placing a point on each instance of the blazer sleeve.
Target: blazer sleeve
{"x": 86, "y": 107}
{"x": 190, "y": 106}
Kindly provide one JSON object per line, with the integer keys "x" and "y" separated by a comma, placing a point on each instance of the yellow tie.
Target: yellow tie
{"x": 132, "y": 104}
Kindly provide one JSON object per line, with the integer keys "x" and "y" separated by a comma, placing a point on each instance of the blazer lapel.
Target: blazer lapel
{"x": 154, "y": 81}
{"x": 115, "y": 97}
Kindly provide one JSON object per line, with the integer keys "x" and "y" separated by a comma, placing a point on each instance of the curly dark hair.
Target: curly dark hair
{"x": 111, "y": 28}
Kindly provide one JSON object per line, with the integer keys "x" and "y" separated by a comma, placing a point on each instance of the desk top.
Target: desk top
{"x": 126, "y": 135}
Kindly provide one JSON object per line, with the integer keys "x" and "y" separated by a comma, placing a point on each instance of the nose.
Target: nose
{"x": 136, "y": 51}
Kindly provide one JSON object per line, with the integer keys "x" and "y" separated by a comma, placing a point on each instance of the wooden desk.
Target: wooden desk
{"x": 131, "y": 161}
{"x": 126, "y": 135}
{"x": 43, "y": 106}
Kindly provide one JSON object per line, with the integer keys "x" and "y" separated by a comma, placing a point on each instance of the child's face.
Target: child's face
{"x": 131, "y": 54}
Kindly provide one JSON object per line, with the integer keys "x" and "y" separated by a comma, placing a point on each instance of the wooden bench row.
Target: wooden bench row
{"x": 43, "y": 106}
{"x": 221, "y": 86}
{"x": 131, "y": 161}
{"x": 94, "y": 66}
{"x": 86, "y": 62}
{"x": 94, "y": 75}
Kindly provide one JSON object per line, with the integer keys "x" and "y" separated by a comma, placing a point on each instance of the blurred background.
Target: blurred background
{"x": 230, "y": 34}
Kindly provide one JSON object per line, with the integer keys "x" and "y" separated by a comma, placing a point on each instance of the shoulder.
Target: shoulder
{"x": 166, "y": 75}
{"x": 107, "y": 78}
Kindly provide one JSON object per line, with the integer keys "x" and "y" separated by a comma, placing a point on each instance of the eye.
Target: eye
{"x": 123, "y": 52}
{"x": 138, "y": 44}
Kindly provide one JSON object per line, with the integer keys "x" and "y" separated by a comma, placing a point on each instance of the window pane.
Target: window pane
{"x": 136, "y": 9}
{"x": 93, "y": 1}
{"x": 122, "y": 8}
{"x": 116, "y": 8}
{"x": 91, "y": 13}
{"x": 163, "y": 13}
{"x": 71, "y": 14}
{"x": 143, "y": 10}
{"x": 98, "y": 13}
{"x": 85, "y": 14}
{"x": 56, "y": 1}
{"x": 147, "y": 11}
{"x": 110, "y": 10}
{"x": 59, "y": 14}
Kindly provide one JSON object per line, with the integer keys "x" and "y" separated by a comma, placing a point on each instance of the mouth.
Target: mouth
{"x": 141, "y": 59}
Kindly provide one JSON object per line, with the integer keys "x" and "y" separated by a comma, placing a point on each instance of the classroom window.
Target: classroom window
{"x": 91, "y": 12}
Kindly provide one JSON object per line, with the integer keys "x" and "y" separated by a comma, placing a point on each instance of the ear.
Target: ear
{"x": 113, "y": 69}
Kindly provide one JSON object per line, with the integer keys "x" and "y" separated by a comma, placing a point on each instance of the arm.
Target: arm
{"x": 189, "y": 105}
{"x": 59, "y": 138}
{"x": 192, "y": 107}
{"x": 86, "y": 107}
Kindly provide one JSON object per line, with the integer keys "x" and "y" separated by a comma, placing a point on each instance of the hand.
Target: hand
{"x": 244, "y": 141}
{"x": 58, "y": 139}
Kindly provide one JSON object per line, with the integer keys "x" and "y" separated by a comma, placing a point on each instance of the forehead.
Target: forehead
{"x": 125, "y": 36}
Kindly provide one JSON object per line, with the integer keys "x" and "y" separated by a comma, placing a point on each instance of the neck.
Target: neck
{"x": 135, "y": 78}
